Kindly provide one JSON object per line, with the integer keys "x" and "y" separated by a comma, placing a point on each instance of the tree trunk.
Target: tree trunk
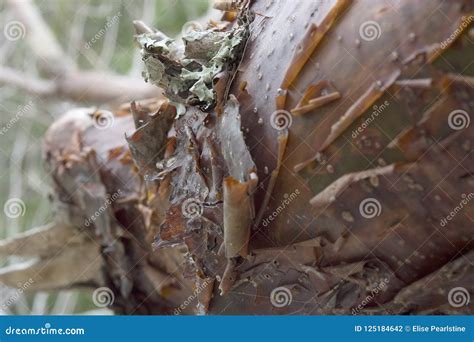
{"x": 325, "y": 169}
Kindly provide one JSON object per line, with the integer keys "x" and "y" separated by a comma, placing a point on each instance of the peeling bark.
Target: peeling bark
{"x": 193, "y": 184}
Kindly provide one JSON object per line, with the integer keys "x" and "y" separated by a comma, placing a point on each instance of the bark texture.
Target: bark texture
{"x": 319, "y": 180}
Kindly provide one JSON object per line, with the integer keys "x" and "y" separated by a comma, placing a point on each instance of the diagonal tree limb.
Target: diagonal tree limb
{"x": 63, "y": 80}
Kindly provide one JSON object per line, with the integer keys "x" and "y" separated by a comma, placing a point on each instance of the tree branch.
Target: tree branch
{"x": 82, "y": 86}
{"x": 40, "y": 38}
{"x": 12, "y": 77}
{"x": 63, "y": 79}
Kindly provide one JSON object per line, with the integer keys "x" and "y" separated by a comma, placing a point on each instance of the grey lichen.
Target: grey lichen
{"x": 187, "y": 71}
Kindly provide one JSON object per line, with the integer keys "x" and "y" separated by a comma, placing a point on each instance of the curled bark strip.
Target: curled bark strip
{"x": 414, "y": 141}
{"x": 315, "y": 96}
{"x": 237, "y": 217}
{"x": 310, "y": 41}
{"x": 329, "y": 195}
{"x": 234, "y": 150}
{"x": 228, "y": 278}
{"x": 468, "y": 80}
{"x": 424, "y": 83}
{"x": 313, "y": 90}
{"x": 280, "y": 99}
{"x": 316, "y": 103}
{"x": 322, "y": 100}
{"x": 371, "y": 95}
{"x": 204, "y": 290}
{"x": 282, "y": 141}
{"x": 433, "y": 51}
{"x": 300, "y": 166}
{"x": 425, "y": 54}
{"x": 148, "y": 142}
